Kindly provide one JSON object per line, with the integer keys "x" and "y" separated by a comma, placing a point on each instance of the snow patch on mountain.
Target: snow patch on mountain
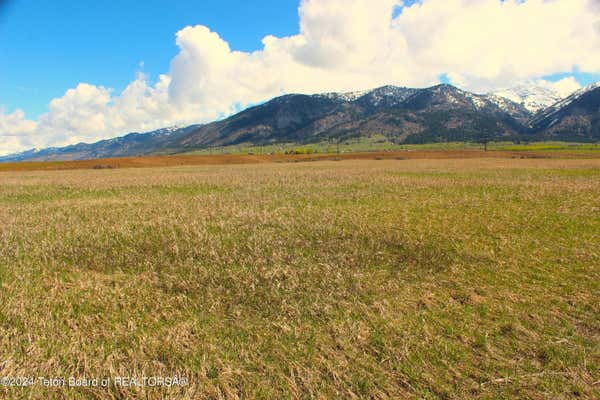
{"x": 478, "y": 101}
{"x": 386, "y": 95}
{"x": 568, "y": 100}
{"x": 347, "y": 96}
{"x": 502, "y": 102}
{"x": 533, "y": 97}
{"x": 559, "y": 105}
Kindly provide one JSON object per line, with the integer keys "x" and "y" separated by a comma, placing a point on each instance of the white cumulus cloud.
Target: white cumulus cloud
{"x": 563, "y": 87}
{"x": 342, "y": 45}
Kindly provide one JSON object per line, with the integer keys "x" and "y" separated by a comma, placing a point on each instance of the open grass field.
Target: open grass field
{"x": 417, "y": 278}
{"x": 203, "y": 158}
{"x": 380, "y": 143}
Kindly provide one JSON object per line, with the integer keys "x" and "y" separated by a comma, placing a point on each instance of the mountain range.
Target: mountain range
{"x": 404, "y": 115}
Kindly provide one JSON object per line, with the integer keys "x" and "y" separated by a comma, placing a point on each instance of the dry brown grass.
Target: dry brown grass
{"x": 226, "y": 159}
{"x": 448, "y": 278}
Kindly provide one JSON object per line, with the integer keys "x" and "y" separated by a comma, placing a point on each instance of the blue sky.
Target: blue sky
{"x": 48, "y": 46}
{"x": 80, "y": 71}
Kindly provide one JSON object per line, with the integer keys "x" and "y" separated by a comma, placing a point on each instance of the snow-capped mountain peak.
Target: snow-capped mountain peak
{"x": 531, "y": 96}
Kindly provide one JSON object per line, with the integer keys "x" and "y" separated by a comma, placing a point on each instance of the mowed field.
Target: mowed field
{"x": 372, "y": 279}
